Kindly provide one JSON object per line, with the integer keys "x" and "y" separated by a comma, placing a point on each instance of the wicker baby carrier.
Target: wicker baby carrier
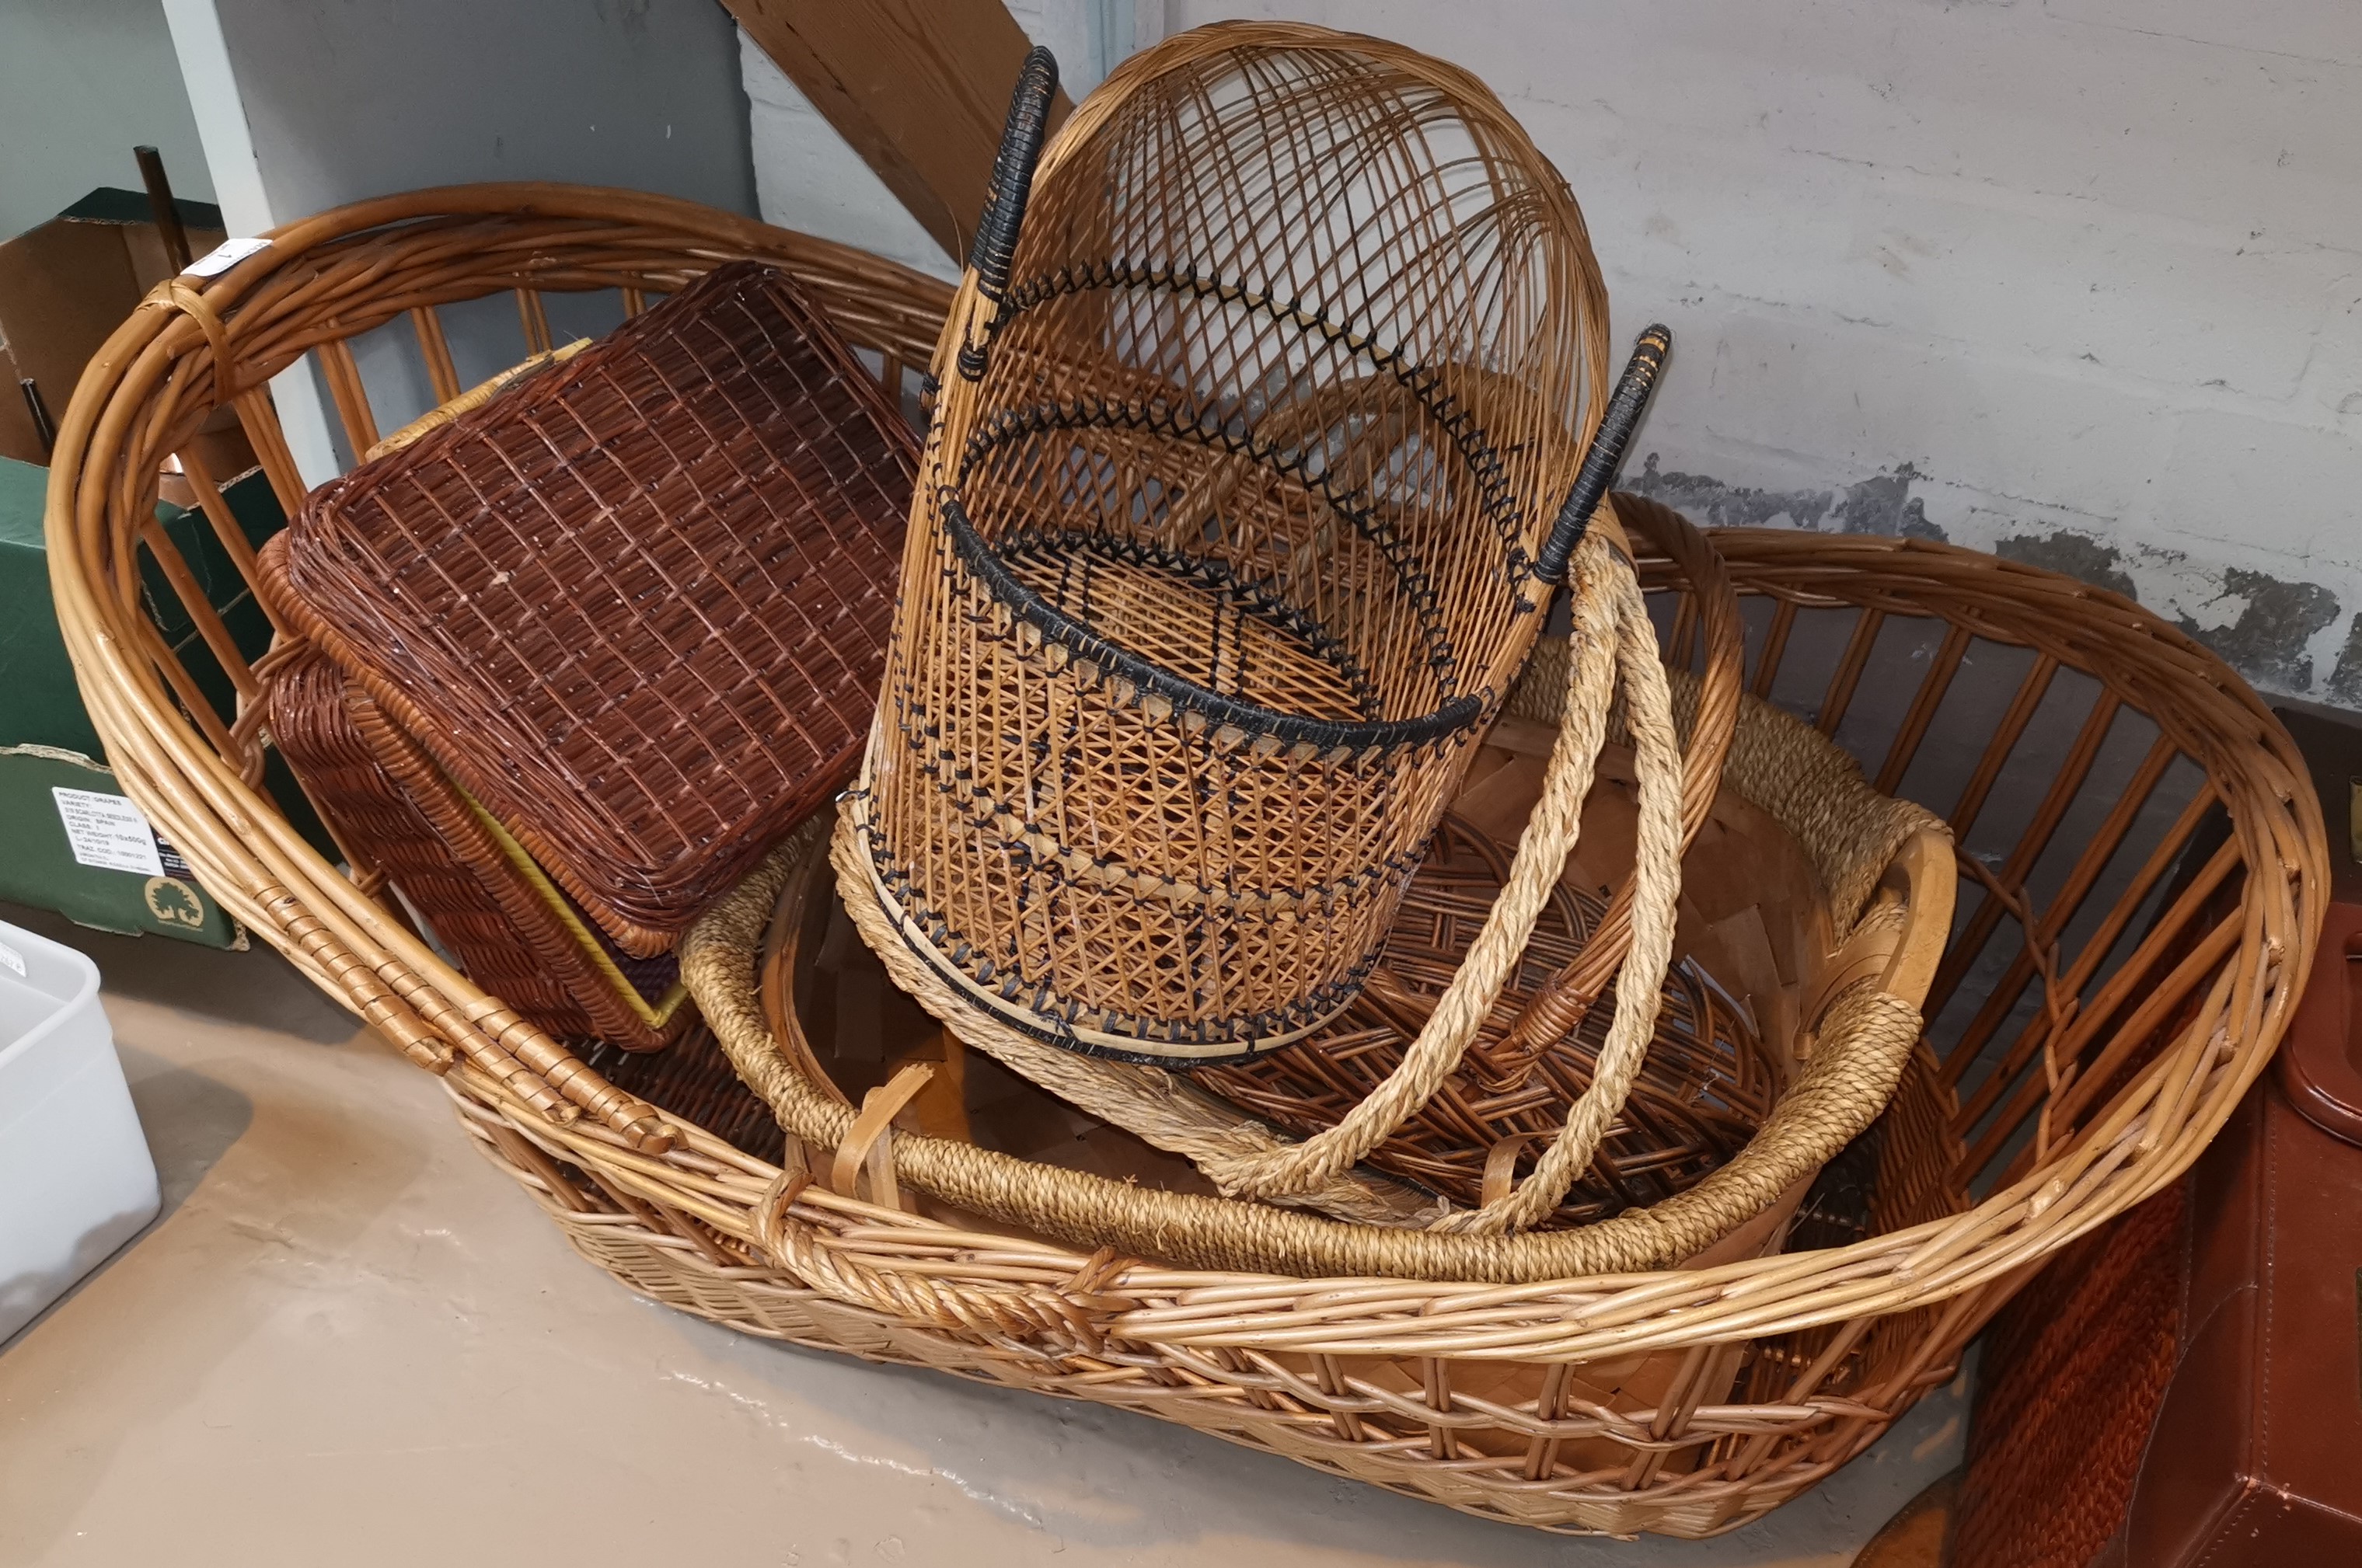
{"x": 1271, "y": 409}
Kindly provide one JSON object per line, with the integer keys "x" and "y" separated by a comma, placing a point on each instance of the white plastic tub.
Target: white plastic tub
{"x": 76, "y": 1180}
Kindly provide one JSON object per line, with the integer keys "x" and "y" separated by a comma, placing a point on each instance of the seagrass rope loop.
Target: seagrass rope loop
{"x": 1862, "y": 1047}
{"x": 1656, "y": 883}
{"x": 1610, "y": 620}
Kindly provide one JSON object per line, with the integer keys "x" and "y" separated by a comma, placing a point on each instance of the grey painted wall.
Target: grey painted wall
{"x": 308, "y": 104}
{"x": 83, "y": 81}
{"x": 351, "y": 98}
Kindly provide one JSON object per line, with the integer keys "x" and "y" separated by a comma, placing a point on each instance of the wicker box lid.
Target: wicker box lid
{"x": 635, "y": 605}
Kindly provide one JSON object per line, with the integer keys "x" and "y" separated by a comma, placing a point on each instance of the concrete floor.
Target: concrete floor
{"x": 349, "y": 1341}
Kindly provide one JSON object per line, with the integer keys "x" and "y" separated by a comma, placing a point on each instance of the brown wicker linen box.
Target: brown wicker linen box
{"x": 402, "y": 824}
{"x": 605, "y": 638}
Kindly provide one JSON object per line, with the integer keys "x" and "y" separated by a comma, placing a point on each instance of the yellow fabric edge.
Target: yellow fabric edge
{"x": 656, "y": 1016}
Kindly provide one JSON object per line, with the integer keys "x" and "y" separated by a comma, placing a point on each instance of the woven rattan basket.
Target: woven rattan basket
{"x": 1254, "y": 463}
{"x": 2093, "y": 1060}
{"x": 401, "y": 823}
{"x": 635, "y": 606}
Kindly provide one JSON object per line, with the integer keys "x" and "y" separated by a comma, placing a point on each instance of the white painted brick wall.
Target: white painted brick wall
{"x": 2089, "y": 268}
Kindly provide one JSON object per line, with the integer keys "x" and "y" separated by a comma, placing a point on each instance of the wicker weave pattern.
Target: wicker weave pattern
{"x": 396, "y": 812}
{"x": 1219, "y": 565}
{"x": 2072, "y": 1108}
{"x": 1707, "y": 1085}
{"x": 636, "y": 605}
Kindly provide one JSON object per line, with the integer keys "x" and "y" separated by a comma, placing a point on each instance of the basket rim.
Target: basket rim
{"x": 1147, "y": 678}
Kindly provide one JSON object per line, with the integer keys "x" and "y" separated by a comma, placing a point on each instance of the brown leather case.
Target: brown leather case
{"x": 2321, "y": 1067}
{"x": 2256, "y": 1461}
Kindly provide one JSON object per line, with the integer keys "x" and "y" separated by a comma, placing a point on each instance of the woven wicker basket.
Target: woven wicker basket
{"x": 627, "y": 471}
{"x": 2093, "y": 1062}
{"x": 636, "y": 605}
{"x": 401, "y": 822}
{"x": 1254, "y": 463}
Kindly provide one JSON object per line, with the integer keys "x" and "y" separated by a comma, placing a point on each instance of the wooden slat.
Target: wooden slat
{"x": 215, "y": 507}
{"x": 1774, "y": 649}
{"x": 2119, "y": 1043}
{"x": 2063, "y": 905}
{"x": 536, "y": 320}
{"x": 260, "y": 420}
{"x": 199, "y": 609}
{"x": 2061, "y": 794}
{"x": 1838, "y": 696}
{"x": 1930, "y": 697}
{"x": 441, "y": 373}
{"x": 1681, "y": 647}
{"x": 919, "y": 88}
{"x": 2030, "y": 693}
{"x": 344, "y": 378}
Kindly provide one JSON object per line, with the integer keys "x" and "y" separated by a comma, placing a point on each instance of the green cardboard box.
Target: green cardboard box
{"x": 77, "y": 845}
{"x": 69, "y": 840}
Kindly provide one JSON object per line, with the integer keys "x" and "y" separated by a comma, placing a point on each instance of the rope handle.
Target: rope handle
{"x": 1614, "y": 639}
{"x": 994, "y": 250}
{"x": 1606, "y": 454}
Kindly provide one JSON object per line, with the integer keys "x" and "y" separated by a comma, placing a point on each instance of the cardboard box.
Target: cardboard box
{"x": 86, "y": 857}
{"x": 66, "y": 285}
{"x": 78, "y": 845}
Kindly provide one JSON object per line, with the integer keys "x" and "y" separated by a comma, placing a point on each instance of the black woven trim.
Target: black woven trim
{"x": 1499, "y": 504}
{"x": 1462, "y": 713}
{"x": 1259, "y": 593}
{"x": 983, "y": 812}
{"x": 1162, "y": 418}
{"x": 1049, "y": 1026}
{"x": 995, "y": 246}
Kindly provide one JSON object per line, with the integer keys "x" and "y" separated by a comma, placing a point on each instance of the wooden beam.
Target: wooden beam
{"x": 920, "y": 88}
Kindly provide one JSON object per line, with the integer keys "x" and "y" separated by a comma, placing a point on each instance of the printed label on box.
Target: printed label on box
{"x": 11, "y": 958}
{"x": 107, "y": 831}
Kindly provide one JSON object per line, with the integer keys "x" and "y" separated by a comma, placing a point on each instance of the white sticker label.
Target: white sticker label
{"x": 224, "y": 256}
{"x": 109, "y": 831}
{"x": 12, "y": 958}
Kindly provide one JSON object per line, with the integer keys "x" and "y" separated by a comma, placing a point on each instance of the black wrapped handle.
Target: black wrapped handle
{"x": 995, "y": 247}
{"x": 1606, "y": 454}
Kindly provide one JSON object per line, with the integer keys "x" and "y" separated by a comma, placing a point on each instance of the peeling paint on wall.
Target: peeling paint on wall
{"x": 2261, "y": 625}
{"x": 1880, "y": 504}
{"x": 2102, "y": 565}
{"x": 2266, "y": 642}
{"x": 2344, "y": 686}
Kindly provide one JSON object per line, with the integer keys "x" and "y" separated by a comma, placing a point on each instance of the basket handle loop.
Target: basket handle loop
{"x": 1606, "y": 454}
{"x": 994, "y": 250}
{"x": 1613, "y": 638}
